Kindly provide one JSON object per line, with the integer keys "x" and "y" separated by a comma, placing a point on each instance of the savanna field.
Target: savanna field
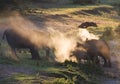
{"x": 56, "y": 25}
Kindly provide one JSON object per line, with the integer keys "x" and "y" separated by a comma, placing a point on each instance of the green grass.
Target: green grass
{"x": 49, "y": 72}
{"x": 66, "y": 75}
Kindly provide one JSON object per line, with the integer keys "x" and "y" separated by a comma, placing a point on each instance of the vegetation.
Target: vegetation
{"x": 50, "y": 73}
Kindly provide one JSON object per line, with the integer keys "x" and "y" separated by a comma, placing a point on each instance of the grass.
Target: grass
{"x": 74, "y": 11}
{"x": 47, "y": 72}
{"x": 66, "y": 9}
{"x": 58, "y": 75}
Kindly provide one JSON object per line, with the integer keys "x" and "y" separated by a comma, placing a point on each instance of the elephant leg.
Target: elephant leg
{"x": 89, "y": 58}
{"x": 109, "y": 63}
{"x": 34, "y": 53}
{"x": 96, "y": 60}
{"x": 106, "y": 62}
{"x": 47, "y": 52}
{"x": 14, "y": 55}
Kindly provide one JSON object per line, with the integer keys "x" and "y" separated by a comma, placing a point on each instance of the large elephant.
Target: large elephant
{"x": 94, "y": 50}
{"x": 17, "y": 40}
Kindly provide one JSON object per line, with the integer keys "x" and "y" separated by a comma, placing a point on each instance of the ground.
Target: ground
{"x": 66, "y": 19}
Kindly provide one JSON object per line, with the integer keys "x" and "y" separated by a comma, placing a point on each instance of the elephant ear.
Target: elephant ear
{"x": 79, "y": 44}
{"x": 86, "y": 45}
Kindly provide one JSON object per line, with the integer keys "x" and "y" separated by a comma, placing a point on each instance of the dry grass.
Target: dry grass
{"x": 74, "y": 12}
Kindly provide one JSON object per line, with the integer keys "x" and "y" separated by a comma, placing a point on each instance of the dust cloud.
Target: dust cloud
{"x": 54, "y": 39}
{"x": 84, "y": 34}
{"x": 63, "y": 45}
{"x": 115, "y": 51}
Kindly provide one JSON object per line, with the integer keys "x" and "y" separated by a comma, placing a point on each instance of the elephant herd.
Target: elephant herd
{"x": 93, "y": 49}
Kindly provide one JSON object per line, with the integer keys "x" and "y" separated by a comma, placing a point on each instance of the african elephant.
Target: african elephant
{"x": 97, "y": 48}
{"x": 16, "y": 41}
{"x": 94, "y": 50}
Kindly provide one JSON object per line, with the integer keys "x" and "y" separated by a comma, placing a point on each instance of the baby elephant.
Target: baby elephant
{"x": 94, "y": 49}
{"x": 98, "y": 48}
{"x": 17, "y": 40}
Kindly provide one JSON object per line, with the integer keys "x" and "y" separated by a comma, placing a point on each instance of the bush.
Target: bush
{"x": 83, "y": 2}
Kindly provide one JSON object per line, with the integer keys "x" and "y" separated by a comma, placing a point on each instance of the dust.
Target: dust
{"x": 63, "y": 45}
{"x": 115, "y": 53}
{"x": 27, "y": 30}
{"x": 54, "y": 39}
{"x": 114, "y": 71}
{"x": 85, "y": 35}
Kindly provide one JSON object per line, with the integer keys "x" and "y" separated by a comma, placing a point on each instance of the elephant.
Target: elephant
{"x": 17, "y": 41}
{"x": 94, "y": 49}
